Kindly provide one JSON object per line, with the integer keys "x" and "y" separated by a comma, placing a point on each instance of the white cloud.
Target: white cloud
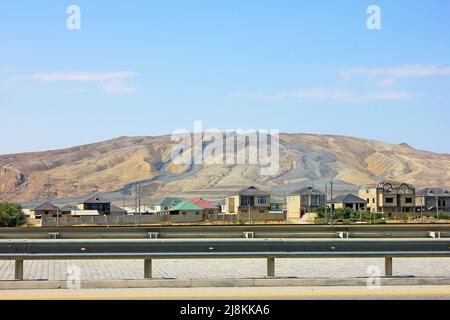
{"x": 347, "y": 96}
{"x": 321, "y": 94}
{"x": 112, "y": 82}
{"x": 78, "y": 76}
{"x": 263, "y": 97}
{"x": 117, "y": 86}
{"x": 407, "y": 71}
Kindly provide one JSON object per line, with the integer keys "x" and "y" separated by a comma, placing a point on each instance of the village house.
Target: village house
{"x": 349, "y": 201}
{"x": 304, "y": 200}
{"x": 433, "y": 200}
{"x": 249, "y": 201}
{"x": 167, "y": 203}
{"x": 186, "y": 211}
{"x": 46, "y": 209}
{"x": 98, "y": 203}
{"x": 208, "y": 208}
{"x": 389, "y": 197}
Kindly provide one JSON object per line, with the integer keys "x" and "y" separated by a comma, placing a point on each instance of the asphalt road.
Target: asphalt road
{"x": 279, "y": 293}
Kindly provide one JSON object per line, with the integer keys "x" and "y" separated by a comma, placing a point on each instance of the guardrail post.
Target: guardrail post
{"x": 388, "y": 266}
{"x": 270, "y": 267}
{"x": 147, "y": 268}
{"x": 18, "y": 270}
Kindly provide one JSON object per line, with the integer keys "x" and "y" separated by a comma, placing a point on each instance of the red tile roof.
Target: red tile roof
{"x": 202, "y": 203}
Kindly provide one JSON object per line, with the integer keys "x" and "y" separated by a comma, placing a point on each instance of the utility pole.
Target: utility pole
{"x": 249, "y": 213}
{"x": 331, "y": 185}
{"x": 326, "y": 204}
{"x": 139, "y": 206}
{"x": 437, "y": 207}
{"x": 135, "y": 203}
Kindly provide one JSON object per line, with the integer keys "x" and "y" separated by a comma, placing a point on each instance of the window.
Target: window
{"x": 248, "y": 201}
{"x": 262, "y": 200}
{"x": 373, "y": 200}
{"x": 368, "y": 200}
{"x": 389, "y": 200}
{"x": 408, "y": 200}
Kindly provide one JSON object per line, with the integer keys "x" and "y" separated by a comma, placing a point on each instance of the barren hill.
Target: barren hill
{"x": 304, "y": 160}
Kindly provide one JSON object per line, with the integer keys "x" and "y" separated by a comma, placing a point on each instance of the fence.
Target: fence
{"x": 66, "y": 221}
{"x": 20, "y": 250}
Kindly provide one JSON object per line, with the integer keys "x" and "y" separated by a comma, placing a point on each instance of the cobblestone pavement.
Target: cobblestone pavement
{"x": 239, "y": 268}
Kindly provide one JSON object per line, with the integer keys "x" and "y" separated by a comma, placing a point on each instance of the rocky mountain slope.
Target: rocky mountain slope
{"x": 304, "y": 160}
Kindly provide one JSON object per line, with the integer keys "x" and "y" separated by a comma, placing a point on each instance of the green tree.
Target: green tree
{"x": 11, "y": 215}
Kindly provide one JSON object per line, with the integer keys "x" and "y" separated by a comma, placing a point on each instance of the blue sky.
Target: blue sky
{"x": 149, "y": 67}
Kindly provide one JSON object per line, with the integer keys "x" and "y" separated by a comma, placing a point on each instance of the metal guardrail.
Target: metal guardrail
{"x": 270, "y": 249}
{"x": 212, "y": 232}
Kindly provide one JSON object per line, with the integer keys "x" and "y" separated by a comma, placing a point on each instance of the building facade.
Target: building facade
{"x": 433, "y": 200}
{"x": 349, "y": 201}
{"x": 389, "y": 197}
{"x": 248, "y": 201}
{"x": 46, "y": 209}
{"x": 98, "y": 203}
{"x": 208, "y": 208}
{"x": 305, "y": 200}
{"x": 187, "y": 212}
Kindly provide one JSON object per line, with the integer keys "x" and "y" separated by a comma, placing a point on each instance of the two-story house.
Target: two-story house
{"x": 389, "y": 197}
{"x": 304, "y": 200}
{"x": 98, "y": 203}
{"x": 249, "y": 201}
{"x": 433, "y": 200}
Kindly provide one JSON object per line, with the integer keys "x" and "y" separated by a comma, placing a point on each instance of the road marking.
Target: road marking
{"x": 226, "y": 295}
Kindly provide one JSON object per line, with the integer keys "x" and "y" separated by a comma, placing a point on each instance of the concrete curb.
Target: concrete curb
{"x": 224, "y": 283}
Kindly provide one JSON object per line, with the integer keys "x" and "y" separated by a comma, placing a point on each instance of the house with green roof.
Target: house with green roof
{"x": 186, "y": 212}
{"x": 167, "y": 203}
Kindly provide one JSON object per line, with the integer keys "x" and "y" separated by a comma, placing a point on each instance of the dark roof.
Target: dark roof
{"x": 47, "y": 206}
{"x": 433, "y": 192}
{"x": 307, "y": 190}
{"x": 96, "y": 199}
{"x": 349, "y": 198}
{"x": 252, "y": 191}
{"x": 116, "y": 209}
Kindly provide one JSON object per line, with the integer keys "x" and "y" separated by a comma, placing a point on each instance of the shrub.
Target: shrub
{"x": 11, "y": 215}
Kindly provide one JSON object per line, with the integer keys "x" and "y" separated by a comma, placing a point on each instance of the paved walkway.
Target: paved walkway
{"x": 239, "y": 268}
{"x": 266, "y": 293}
